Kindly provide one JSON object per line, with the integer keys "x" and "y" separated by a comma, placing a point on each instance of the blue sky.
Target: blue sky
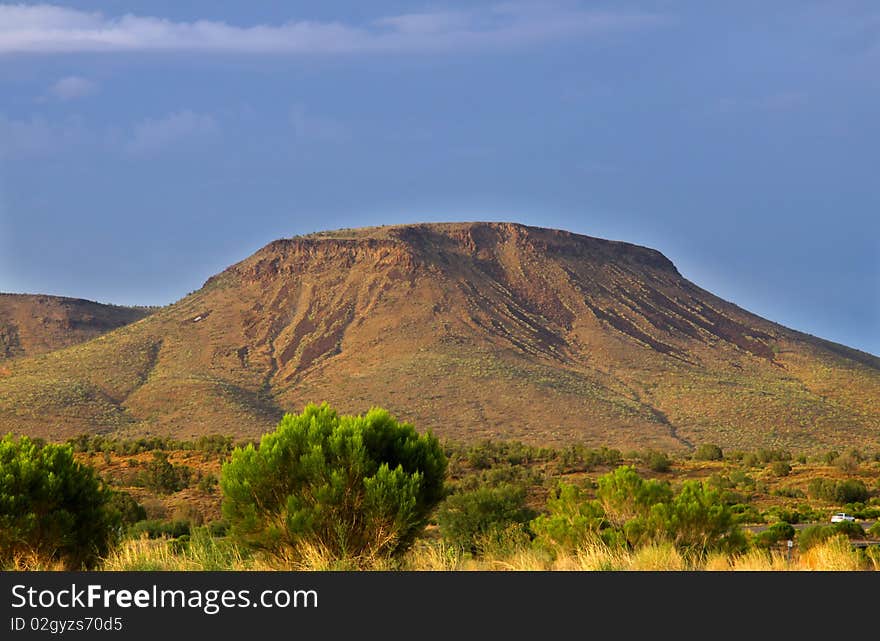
{"x": 146, "y": 145}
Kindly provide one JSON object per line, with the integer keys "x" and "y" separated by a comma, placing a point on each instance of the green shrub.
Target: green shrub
{"x": 851, "y": 491}
{"x": 578, "y": 458}
{"x": 847, "y": 491}
{"x": 52, "y": 507}
{"x": 813, "y": 535}
{"x": 874, "y": 531}
{"x": 742, "y": 480}
{"x": 656, "y": 461}
{"x": 354, "y": 486}
{"x": 213, "y": 444}
{"x": 770, "y": 455}
{"x": 708, "y": 452}
{"x": 218, "y": 528}
{"x": 470, "y": 519}
{"x": 862, "y": 511}
{"x": 697, "y": 520}
{"x": 788, "y": 492}
{"x": 821, "y": 488}
{"x": 777, "y": 532}
{"x": 624, "y": 495}
{"x": 128, "y": 509}
{"x": 848, "y": 462}
{"x": 208, "y": 483}
{"x": 782, "y": 530}
{"x": 808, "y": 513}
{"x": 785, "y": 515}
{"x": 163, "y": 477}
{"x": 156, "y": 529}
{"x": 780, "y": 468}
{"x": 488, "y": 453}
{"x": 480, "y": 456}
{"x": 501, "y": 475}
{"x": 571, "y": 519}
{"x": 744, "y": 513}
{"x": 851, "y": 529}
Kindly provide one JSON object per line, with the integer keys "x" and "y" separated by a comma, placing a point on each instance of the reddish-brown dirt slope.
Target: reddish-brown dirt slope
{"x": 473, "y": 330}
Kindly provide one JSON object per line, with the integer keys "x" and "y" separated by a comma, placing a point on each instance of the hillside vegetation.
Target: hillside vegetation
{"x": 508, "y": 506}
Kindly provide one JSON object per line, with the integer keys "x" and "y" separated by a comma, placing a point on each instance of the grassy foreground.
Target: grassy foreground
{"x": 210, "y": 554}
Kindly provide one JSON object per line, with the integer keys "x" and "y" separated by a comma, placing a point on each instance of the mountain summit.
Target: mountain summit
{"x": 473, "y": 330}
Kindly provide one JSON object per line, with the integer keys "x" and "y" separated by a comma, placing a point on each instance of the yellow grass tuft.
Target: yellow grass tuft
{"x": 203, "y": 553}
{"x": 433, "y": 556}
{"x": 835, "y": 554}
{"x": 760, "y": 561}
{"x": 33, "y": 562}
{"x": 656, "y": 556}
{"x": 717, "y": 562}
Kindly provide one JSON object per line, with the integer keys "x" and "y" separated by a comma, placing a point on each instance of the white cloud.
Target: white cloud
{"x": 153, "y": 135}
{"x": 37, "y": 136}
{"x": 53, "y": 29}
{"x": 426, "y": 23}
{"x": 72, "y": 87}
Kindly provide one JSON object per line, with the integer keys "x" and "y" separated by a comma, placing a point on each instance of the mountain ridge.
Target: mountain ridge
{"x": 474, "y": 330}
{"x": 32, "y": 324}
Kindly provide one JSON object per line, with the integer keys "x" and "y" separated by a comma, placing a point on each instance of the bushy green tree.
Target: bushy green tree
{"x": 849, "y": 528}
{"x": 697, "y": 519}
{"x": 633, "y": 511}
{"x": 777, "y": 532}
{"x": 822, "y": 488}
{"x": 473, "y": 519}
{"x": 128, "y": 509}
{"x": 353, "y": 486}
{"x": 52, "y": 508}
{"x": 571, "y": 520}
{"x": 708, "y": 452}
{"x": 656, "y": 461}
{"x": 846, "y": 491}
{"x": 812, "y": 535}
{"x": 780, "y": 468}
{"x": 624, "y": 495}
{"x": 164, "y": 477}
{"x": 851, "y": 491}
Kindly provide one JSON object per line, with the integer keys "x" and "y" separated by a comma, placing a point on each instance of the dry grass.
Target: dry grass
{"x": 835, "y": 554}
{"x": 760, "y": 561}
{"x": 33, "y": 562}
{"x": 437, "y": 556}
{"x": 203, "y": 553}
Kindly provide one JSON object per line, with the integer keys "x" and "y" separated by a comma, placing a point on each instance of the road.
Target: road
{"x": 859, "y": 543}
{"x": 800, "y": 526}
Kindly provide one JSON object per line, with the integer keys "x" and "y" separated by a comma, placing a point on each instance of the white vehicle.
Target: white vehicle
{"x": 840, "y": 517}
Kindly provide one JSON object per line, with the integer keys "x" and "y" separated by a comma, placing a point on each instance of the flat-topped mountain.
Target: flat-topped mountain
{"x": 472, "y": 330}
{"x": 36, "y": 324}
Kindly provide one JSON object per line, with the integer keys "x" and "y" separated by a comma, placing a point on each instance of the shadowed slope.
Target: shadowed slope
{"x": 36, "y": 324}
